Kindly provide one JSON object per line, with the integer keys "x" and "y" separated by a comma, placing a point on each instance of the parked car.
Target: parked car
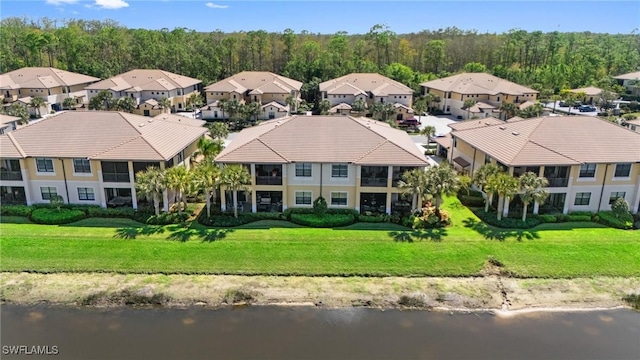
{"x": 586, "y": 108}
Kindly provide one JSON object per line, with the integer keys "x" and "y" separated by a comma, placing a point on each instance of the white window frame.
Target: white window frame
{"x": 340, "y": 177}
{"x": 591, "y": 178}
{"x": 45, "y": 173}
{"x": 295, "y": 197}
{"x": 93, "y": 192}
{"x": 48, "y": 187}
{"x": 75, "y": 173}
{"x": 295, "y": 171}
{"x": 576, "y": 198}
{"x": 618, "y": 178}
{"x": 339, "y": 192}
{"x": 614, "y": 198}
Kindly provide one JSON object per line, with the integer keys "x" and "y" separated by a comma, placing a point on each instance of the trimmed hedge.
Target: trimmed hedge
{"x": 547, "y": 218}
{"x": 324, "y": 221}
{"x": 15, "y": 210}
{"x": 374, "y": 218}
{"x": 573, "y": 217}
{"x": 509, "y": 223}
{"x": 168, "y": 218}
{"x": 609, "y": 219}
{"x": 120, "y": 212}
{"x": 288, "y": 212}
{"x": 471, "y": 201}
{"x": 56, "y": 217}
{"x": 228, "y": 220}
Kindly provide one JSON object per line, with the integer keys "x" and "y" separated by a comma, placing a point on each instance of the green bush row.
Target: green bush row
{"x": 167, "y": 218}
{"x": 219, "y": 219}
{"x": 608, "y": 218}
{"x": 509, "y": 223}
{"x": 288, "y": 212}
{"x": 51, "y": 216}
{"x": 374, "y": 218}
{"x": 15, "y": 210}
{"x": 327, "y": 220}
{"x": 471, "y": 201}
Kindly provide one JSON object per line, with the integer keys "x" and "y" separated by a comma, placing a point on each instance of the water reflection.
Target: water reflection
{"x": 304, "y": 333}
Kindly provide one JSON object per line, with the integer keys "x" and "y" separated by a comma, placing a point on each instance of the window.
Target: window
{"x": 339, "y": 171}
{"x": 338, "y": 198}
{"x": 582, "y": 198}
{"x": 44, "y": 165}
{"x": 487, "y": 159}
{"x": 303, "y": 197}
{"x": 615, "y": 195}
{"x": 587, "y": 170}
{"x": 455, "y": 142}
{"x": 85, "y": 193}
{"x": 47, "y": 192}
{"x": 303, "y": 170}
{"x": 180, "y": 157}
{"x": 623, "y": 170}
{"x": 81, "y": 166}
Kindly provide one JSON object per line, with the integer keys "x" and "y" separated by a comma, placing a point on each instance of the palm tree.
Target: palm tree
{"x": 235, "y": 177}
{"x": 428, "y": 131}
{"x": 467, "y": 105}
{"x": 151, "y": 183}
{"x": 293, "y": 104}
{"x": 222, "y": 104}
{"x": 532, "y": 189}
{"x": 218, "y": 130}
{"x": 359, "y": 106}
{"x": 387, "y": 110}
{"x": 207, "y": 177}
{"x": 178, "y": 180}
{"x": 377, "y": 110}
{"x": 208, "y": 149}
{"x": 482, "y": 176}
{"x": 194, "y": 100}
{"x": 431, "y": 98}
{"x": 233, "y": 107}
{"x": 18, "y": 110}
{"x": 68, "y": 103}
{"x": 441, "y": 180}
{"x": 36, "y": 103}
{"x": 126, "y": 104}
{"x": 413, "y": 183}
{"x": 324, "y": 106}
{"x": 509, "y": 110}
{"x": 253, "y": 109}
{"x": 505, "y": 186}
{"x": 420, "y": 106}
{"x": 165, "y": 104}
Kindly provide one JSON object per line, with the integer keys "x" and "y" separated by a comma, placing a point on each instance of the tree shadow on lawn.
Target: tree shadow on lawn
{"x": 176, "y": 232}
{"x": 494, "y": 233}
{"x": 435, "y": 235}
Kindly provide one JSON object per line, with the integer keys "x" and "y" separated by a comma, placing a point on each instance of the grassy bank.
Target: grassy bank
{"x": 277, "y": 248}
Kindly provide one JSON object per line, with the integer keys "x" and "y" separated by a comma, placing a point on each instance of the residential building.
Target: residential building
{"x": 631, "y": 82}
{"x": 92, "y": 157}
{"x": 368, "y": 87}
{"x": 269, "y": 89}
{"x": 479, "y": 87}
{"x": 296, "y": 159}
{"x": 148, "y": 86}
{"x": 588, "y": 161}
{"x": 634, "y": 125}
{"x": 8, "y": 123}
{"x": 591, "y": 95}
{"x": 51, "y": 84}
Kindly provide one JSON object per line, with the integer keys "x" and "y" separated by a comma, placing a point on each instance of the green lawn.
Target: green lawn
{"x": 280, "y": 248}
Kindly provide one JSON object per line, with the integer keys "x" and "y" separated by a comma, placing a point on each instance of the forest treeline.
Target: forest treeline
{"x": 550, "y": 61}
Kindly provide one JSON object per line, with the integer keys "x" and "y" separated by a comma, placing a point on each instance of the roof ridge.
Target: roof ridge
{"x": 272, "y": 149}
{"x": 129, "y": 122}
{"x": 403, "y": 149}
{"x": 371, "y": 150}
{"x": 16, "y": 144}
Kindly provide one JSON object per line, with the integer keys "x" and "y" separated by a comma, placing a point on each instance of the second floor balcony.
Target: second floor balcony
{"x": 374, "y": 176}
{"x": 558, "y": 182}
{"x": 269, "y": 174}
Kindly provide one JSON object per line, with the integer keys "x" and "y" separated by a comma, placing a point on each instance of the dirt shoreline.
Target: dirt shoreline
{"x": 503, "y": 295}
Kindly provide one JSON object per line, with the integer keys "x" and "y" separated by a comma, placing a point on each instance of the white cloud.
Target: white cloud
{"x": 216, "y": 6}
{"x": 60, "y": 2}
{"x": 111, "y": 4}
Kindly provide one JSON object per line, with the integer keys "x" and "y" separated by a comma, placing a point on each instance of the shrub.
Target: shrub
{"x": 609, "y": 219}
{"x": 471, "y": 201}
{"x": 636, "y": 224}
{"x": 620, "y": 209}
{"x": 119, "y": 212}
{"x": 327, "y": 220}
{"x": 56, "y": 217}
{"x": 547, "y": 218}
{"x": 142, "y": 215}
{"x": 15, "y": 210}
{"x": 56, "y": 202}
{"x": 228, "y": 220}
{"x": 319, "y": 206}
{"x": 427, "y": 218}
{"x": 562, "y": 218}
{"x": 289, "y": 211}
{"x": 373, "y": 218}
{"x": 475, "y": 193}
{"x": 573, "y": 217}
{"x": 167, "y": 218}
{"x": 508, "y": 223}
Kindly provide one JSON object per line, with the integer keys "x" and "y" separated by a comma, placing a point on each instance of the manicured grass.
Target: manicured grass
{"x": 280, "y": 248}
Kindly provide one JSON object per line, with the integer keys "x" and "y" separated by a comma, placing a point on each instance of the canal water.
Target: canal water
{"x": 311, "y": 333}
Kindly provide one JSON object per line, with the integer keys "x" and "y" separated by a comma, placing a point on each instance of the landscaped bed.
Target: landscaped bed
{"x": 276, "y": 247}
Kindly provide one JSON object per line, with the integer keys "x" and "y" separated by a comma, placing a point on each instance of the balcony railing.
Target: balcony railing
{"x": 373, "y": 181}
{"x": 558, "y": 182}
{"x": 115, "y": 177}
{"x": 10, "y": 175}
{"x": 268, "y": 180}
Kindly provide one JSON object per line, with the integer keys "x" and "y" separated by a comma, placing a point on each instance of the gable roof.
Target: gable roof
{"x": 102, "y": 135}
{"x": 6, "y": 119}
{"x": 42, "y": 78}
{"x": 477, "y": 83}
{"x": 629, "y": 76}
{"x": 145, "y": 80}
{"x": 589, "y": 91}
{"x": 362, "y": 83}
{"x": 475, "y": 123}
{"x": 327, "y": 139}
{"x": 561, "y": 140}
{"x": 258, "y": 81}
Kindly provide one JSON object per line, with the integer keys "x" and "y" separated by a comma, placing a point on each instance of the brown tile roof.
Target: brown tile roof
{"x": 179, "y": 119}
{"x": 589, "y": 91}
{"x": 5, "y": 119}
{"x": 259, "y": 81}
{"x": 145, "y": 80}
{"x": 323, "y": 139}
{"x": 104, "y": 135}
{"x": 284, "y": 108}
{"x": 9, "y": 148}
{"x": 479, "y": 107}
{"x": 475, "y": 123}
{"x": 634, "y": 121}
{"x": 444, "y": 141}
{"x": 477, "y": 83}
{"x": 629, "y": 76}
{"x": 43, "y": 78}
{"x": 562, "y": 140}
{"x": 526, "y": 104}
{"x": 362, "y": 83}
{"x": 341, "y": 106}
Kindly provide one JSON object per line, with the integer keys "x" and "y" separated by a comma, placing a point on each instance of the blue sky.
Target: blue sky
{"x": 354, "y": 17}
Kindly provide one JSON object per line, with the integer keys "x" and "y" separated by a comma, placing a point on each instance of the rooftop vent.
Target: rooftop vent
{"x": 308, "y": 113}
{"x": 515, "y": 133}
{"x": 502, "y": 127}
{"x": 141, "y": 125}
